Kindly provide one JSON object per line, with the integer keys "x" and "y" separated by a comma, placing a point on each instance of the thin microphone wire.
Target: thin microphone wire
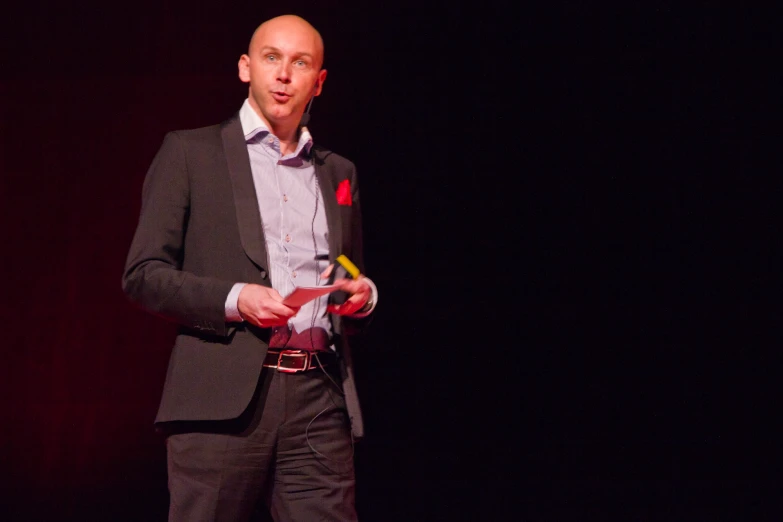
{"x": 307, "y": 437}
{"x": 306, "y": 116}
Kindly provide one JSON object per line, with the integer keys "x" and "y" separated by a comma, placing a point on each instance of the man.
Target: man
{"x": 233, "y": 218}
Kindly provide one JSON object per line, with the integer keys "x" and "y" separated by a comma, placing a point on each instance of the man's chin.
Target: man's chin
{"x": 284, "y": 117}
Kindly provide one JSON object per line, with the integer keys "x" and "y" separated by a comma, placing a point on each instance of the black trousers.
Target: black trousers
{"x": 290, "y": 455}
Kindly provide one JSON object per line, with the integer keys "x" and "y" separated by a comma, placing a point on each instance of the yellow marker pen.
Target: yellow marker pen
{"x": 348, "y": 265}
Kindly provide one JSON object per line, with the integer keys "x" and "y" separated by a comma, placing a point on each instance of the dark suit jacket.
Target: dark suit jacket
{"x": 200, "y": 232}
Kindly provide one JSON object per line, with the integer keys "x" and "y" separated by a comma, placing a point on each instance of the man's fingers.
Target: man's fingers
{"x": 352, "y": 286}
{"x": 326, "y": 273}
{"x": 281, "y": 310}
{"x": 359, "y": 293}
{"x": 337, "y": 309}
{"x": 274, "y": 314}
{"x": 274, "y": 294}
{"x": 350, "y": 306}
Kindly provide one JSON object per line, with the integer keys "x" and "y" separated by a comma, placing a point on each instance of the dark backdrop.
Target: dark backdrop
{"x": 571, "y": 214}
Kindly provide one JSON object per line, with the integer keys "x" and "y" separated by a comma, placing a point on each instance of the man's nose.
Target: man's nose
{"x": 284, "y": 72}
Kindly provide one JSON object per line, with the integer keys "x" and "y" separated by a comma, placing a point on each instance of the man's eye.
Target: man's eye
{"x": 271, "y": 57}
{"x": 300, "y": 63}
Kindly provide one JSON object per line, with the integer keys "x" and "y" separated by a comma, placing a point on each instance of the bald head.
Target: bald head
{"x": 294, "y": 26}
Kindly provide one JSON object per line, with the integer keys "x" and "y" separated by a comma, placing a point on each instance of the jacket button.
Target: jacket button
{"x": 263, "y": 274}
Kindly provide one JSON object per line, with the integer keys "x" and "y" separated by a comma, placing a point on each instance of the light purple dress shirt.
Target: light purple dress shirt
{"x": 294, "y": 220}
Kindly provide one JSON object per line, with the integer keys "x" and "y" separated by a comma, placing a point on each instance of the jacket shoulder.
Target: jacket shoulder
{"x": 199, "y": 135}
{"x": 333, "y": 159}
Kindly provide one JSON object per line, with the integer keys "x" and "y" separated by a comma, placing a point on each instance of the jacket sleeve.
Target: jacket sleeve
{"x": 153, "y": 276}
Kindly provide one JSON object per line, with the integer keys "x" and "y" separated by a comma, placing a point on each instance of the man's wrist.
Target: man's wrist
{"x": 370, "y": 304}
{"x": 367, "y": 306}
{"x": 232, "y": 304}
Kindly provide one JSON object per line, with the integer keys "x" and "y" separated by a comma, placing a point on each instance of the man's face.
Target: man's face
{"x": 283, "y": 67}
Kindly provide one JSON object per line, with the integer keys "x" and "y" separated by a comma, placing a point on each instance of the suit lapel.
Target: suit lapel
{"x": 251, "y": 230}
{"x": 326, "y": 181}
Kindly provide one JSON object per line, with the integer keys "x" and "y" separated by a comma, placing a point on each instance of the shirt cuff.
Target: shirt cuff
{"x": 232, "y": 304}
{"x": 373, "y": 299}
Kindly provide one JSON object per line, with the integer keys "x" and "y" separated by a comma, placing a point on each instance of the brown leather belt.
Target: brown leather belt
{"x": 294, "y": 361}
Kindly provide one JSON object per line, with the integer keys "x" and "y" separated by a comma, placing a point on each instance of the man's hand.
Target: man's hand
{"x": 358, "y": 290}
{"x": 263, "y": 307}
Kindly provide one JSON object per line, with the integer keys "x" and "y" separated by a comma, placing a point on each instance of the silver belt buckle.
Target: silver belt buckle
{"x": 293, "y": 355}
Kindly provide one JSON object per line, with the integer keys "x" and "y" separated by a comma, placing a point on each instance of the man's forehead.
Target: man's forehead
{"x": 288, "y": 34}
{"x": 272, "y": 48}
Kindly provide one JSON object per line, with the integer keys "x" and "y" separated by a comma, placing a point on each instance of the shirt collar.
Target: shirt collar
{"x": 253, "y": 125}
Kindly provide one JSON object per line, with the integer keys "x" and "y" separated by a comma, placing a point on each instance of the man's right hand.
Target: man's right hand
{"x": 262, "y": 306}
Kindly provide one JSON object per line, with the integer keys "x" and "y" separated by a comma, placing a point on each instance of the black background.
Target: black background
{"x": 571, "y": 213}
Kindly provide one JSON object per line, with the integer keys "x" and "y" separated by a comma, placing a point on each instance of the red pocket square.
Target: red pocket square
{"x": 344, "y": 193}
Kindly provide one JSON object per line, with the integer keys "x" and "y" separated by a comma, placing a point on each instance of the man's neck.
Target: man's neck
{"x": 287, "y": 145}
{"x": 287, "y": 133}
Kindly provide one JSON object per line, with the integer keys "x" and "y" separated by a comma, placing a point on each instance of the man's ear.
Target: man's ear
{"x": 319, "y": 84}
{"x": 244, "y": 68}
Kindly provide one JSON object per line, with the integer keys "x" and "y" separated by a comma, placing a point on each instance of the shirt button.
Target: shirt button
{"x": 293, "y": 274}
{"x": 287, "y": 238}
{"x": 285, "y": 198}
{"x": 271, "y": 139}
